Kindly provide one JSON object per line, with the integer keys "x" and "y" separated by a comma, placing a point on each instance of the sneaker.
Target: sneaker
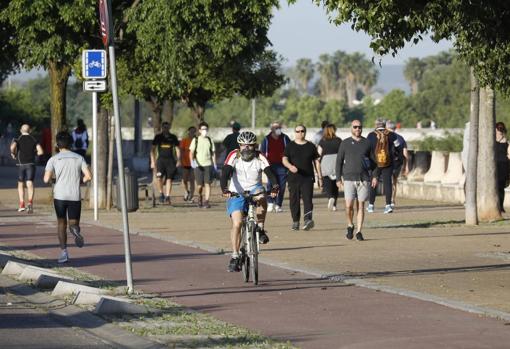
{"x": 234, "y": 265}
{"x": 270, "y": 207}
{"x": 331, "y": 204}
{"x": 295, "y": 226}
{"x": 64, "y": 257}
{"x": 350, "y": 232}
{"x": 167, "y": 200}
{"x": 359, "y": 236}
{"x": 388, "y": 209}
{"x": 370, "y": 208}
{"x": 78, "y": 238}
{"x": 309, "y": 224}
{"x": 30, "y": 209}
{"x": 199, "y": 203}
{"x": 206, "y": 204}
{"x": 278, "y": 209}
{"x": 263, "y": 238}
{"x": 21, "y": 207}
{"x": 333, "y": 209}
{"x": 392, "y": 205}
{"x": 186, "y": 196}
{"x": 162, "y": 198}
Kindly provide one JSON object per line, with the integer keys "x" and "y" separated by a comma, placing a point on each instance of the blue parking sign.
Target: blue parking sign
{"x": 94, "y": 64}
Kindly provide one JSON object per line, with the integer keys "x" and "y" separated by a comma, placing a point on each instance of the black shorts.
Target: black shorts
{"x": 26, "y": 172}
{"x": 67, "y": 209}
{"x": 397, "y": 170}
{"x": 166, "y": 168}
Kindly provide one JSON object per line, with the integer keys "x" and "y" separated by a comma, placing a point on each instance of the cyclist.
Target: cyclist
{"x": 244, "y": 168}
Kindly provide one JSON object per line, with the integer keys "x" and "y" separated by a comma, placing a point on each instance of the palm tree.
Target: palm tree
{"x": 304, "y": 73}
{"x": 413, "y": 72}
{"x": 328, "y": 74}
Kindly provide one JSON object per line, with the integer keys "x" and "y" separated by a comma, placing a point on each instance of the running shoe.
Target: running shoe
{"x": 370, "y": 208}
{"x": 278, "y": 209}
{"x": 21, "y": 207}
{"x": 78, "y": 238}
{"x": 331, "y": 204}
{"x": 64, "y": 257}
{"x": 295, "y": 226}
{"x": 186, "y": 195}
{"x": 263, "y": 238}
{"x": 392, "y": 205}
{"x": 234, "y": 265}
{"x": 350, "y": 232}
{"x": 162, "y": 198}
{"x": 359, "y": 236}
{"x": 167, "y": 200}
{"x": 309, "y": 224}
{"x": 270, "y": 207}
{"x": 206, "y": 204}
{"x": 30, "y": 209}
{"x": 388, "y": 209}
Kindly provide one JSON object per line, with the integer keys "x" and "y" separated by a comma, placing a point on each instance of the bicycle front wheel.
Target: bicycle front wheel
{"x": 254, "y": 254}
{"x": 245, "y": 260}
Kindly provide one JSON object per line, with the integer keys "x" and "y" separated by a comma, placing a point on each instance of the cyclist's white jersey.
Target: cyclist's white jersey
{"x": 247, "y": 174}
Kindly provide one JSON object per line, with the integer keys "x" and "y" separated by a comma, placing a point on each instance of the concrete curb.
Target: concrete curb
{"x": 64, "y": 288}
{"x": 74, "y": 316}
{"x": 112, "y": 305}
{"x": 14, "y": 268}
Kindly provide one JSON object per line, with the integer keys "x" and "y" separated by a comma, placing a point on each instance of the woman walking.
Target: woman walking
{"x": 502, "y": 157}
{"x": 328, "y": 150}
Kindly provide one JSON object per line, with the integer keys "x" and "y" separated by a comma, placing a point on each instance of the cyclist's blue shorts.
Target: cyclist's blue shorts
{"x": 239, "y": 203}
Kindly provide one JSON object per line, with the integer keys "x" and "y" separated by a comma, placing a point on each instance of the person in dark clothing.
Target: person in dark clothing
{"x": 230, "y": 142}
{"x": 354, "y": 162}
{"x": 80, "y": 138}
{"x": 24, "y": 150}
{"x": 328, "y": 150}
{"x": 273, "y": 147}
{"x": 387, "y": 141}
{"x": 302, "y": 161}
{"x": 502, "y": 158}
{"x": 165, "y": 159}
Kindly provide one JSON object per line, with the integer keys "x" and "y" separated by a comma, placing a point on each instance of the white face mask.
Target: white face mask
{"x": 278, "y": 131}
{"x": 203, "y": 133}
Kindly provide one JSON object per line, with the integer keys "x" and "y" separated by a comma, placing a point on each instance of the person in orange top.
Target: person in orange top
{"x": 188, "y": 177}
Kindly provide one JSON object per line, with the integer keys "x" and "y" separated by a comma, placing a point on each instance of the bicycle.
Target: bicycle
{"x": 250, "y": 248}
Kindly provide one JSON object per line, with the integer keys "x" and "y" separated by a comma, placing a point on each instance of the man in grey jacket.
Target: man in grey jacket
{"x": 354, "y": 165}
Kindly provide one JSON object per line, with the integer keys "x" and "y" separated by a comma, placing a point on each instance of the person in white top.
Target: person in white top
{"x": 244, "y": 168}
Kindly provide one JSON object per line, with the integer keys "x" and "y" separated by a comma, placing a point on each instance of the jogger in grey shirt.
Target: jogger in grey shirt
{"x": 67, "y": 167}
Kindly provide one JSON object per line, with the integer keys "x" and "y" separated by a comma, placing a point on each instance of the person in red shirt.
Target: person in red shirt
{"x": 272, "y": 147}
{"x": 188, "y": 177}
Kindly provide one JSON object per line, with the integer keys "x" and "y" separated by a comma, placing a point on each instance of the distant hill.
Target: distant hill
{"x": 391, "y": 77}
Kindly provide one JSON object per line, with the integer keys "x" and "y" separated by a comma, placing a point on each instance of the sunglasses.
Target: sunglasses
{"x": 357, "y": 127}
{"x": 300, "y": 131}
{"x": 203, "y": 129}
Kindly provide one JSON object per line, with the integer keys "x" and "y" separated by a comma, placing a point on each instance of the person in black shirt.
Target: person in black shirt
{"x": 502, "y": 158}
{"x": 302, "y": 161}
{"x": 328, "y": 150}
{"x": 230, "y": 142}
{"x": 165, "y": 159}
{"x": 23, "y": 150}
{"x": 354, "y": 162}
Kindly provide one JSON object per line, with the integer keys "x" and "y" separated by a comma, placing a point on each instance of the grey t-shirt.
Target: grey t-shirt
{"x": 67, "y": 167}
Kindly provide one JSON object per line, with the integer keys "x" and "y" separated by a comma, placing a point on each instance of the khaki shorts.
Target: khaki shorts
{"x": 356, "y": 190}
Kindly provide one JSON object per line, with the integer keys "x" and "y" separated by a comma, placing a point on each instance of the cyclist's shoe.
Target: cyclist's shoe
{"x": 263, "y": 238}
{"x": 350, "y": 232}
{"x": 388, "y": 209}
{"x": 234, "y": 265}
{"x": 295, "y": 226}
{"x": 78, "y": 238}
{"x": 370, "y": 208}
{"x": 30, "y": 209}
{"x": 162, "y": 198}
{"x": 359, "y": 236}
{"x": 309, "y": 224}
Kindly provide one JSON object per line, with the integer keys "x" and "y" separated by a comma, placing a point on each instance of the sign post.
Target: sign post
{"x": 94, "y": 67}
{"x": 106, "y": 25}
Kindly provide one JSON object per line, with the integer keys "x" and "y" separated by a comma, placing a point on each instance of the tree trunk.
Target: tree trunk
{"x": 471, "y": 171}
{"x": 102, "y": 158}
{"x": 168, "y": 111}
{"x": 198, "y": 113}
{"x": 59, "y": 75}
{"x": 487, "y": 196}
{"x": 350, "y": 89}
{"x": 157, "y": 109}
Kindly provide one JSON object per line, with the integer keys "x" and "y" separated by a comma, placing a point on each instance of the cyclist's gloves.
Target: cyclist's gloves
{"x": 275, "y": 189}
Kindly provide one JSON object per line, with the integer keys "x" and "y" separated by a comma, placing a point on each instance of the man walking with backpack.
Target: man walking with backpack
{"x": 203, "y": 160}
{"x": 383, "y": 143}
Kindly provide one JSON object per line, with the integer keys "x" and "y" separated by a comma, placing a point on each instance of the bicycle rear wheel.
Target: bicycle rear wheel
{"x": 254, "y": 254}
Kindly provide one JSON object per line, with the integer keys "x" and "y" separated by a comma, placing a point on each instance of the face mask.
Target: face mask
{"x": 203, "y": 133}
{"x": 278, "y": 131}
{"x": 247, "y": 154}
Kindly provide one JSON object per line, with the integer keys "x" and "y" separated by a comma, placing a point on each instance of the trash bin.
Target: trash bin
{"x": 131, "y": 192}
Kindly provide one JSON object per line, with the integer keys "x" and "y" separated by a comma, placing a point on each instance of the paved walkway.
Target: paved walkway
{"x": 310, "y": 312}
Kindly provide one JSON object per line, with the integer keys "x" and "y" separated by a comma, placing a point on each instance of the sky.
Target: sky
{"x": 302, "y": 30}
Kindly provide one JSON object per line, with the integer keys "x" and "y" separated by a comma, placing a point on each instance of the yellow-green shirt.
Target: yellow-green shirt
{"x": 204, "y": 149}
